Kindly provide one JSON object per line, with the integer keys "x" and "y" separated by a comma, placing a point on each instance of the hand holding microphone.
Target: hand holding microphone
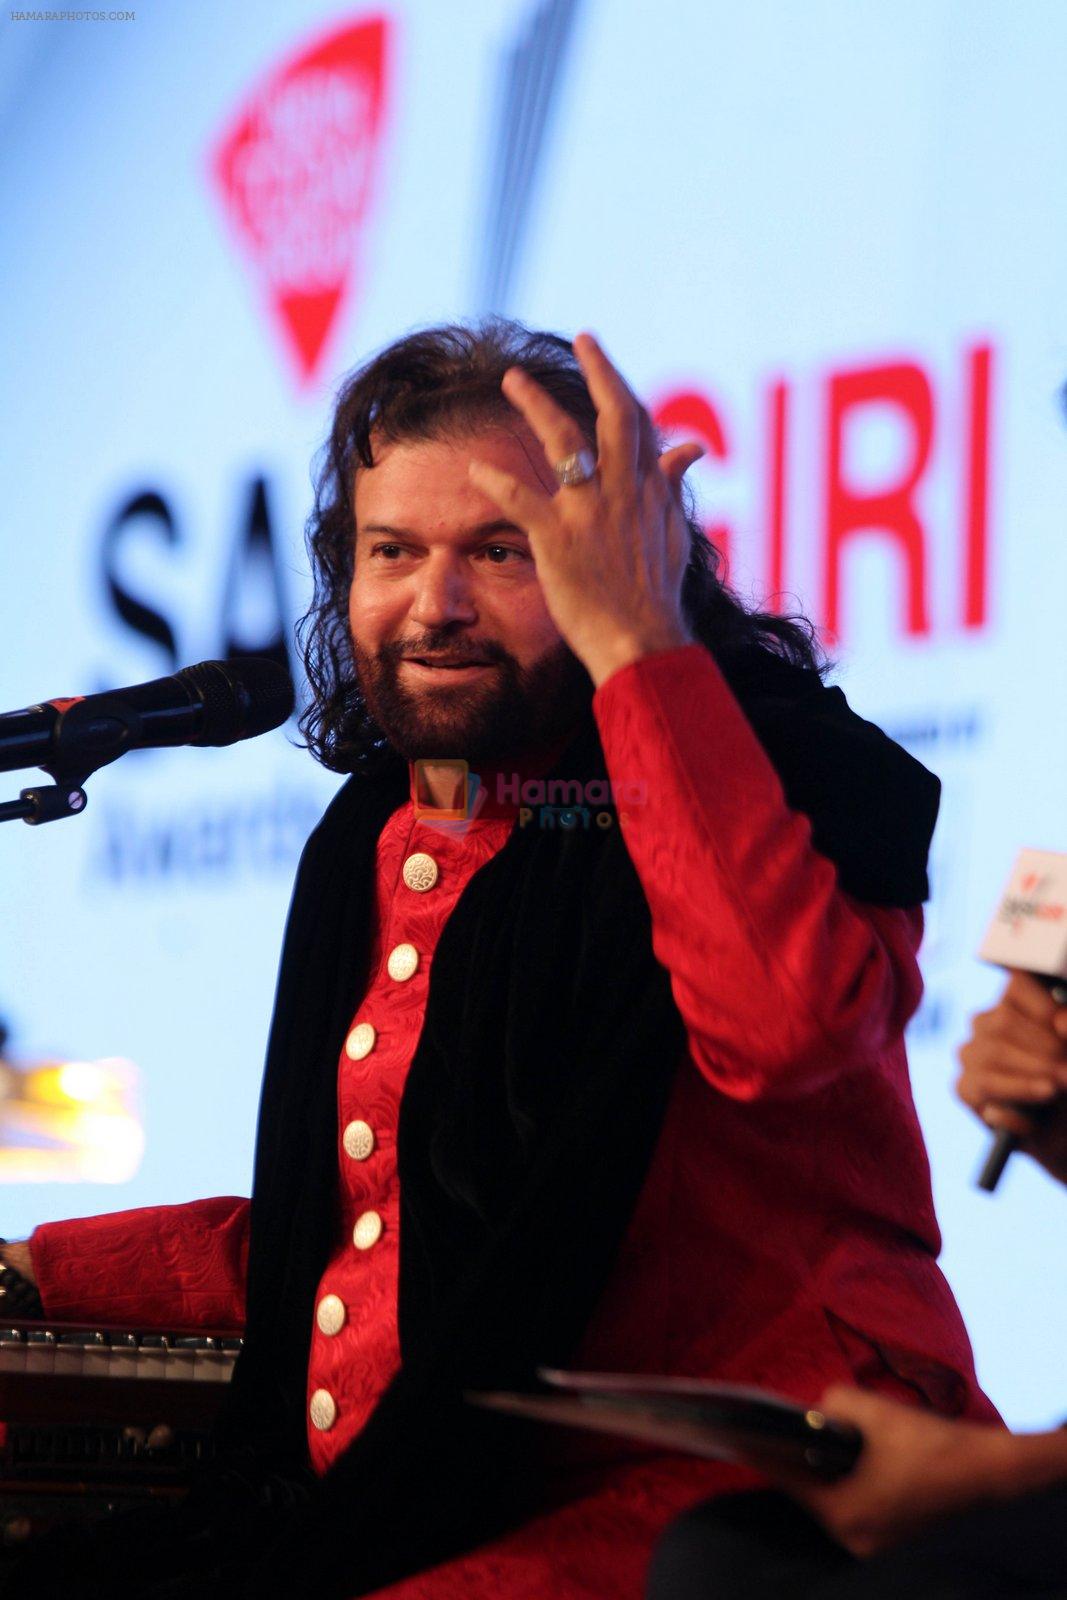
{"x": 1014, "y": 1071}
{"x": 1015, "y": 1063}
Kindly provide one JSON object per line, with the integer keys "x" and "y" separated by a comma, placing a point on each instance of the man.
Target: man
{"x": 938, "y": 1508}
{"x": 629, "y": 1095}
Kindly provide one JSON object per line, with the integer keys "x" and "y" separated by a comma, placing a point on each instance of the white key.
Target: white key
{"x": 96, "y": 1357}
{"x": 70, "y": 1355}
{"x": 12, "y": 1351}
{"x": 40, "y": 1351}
{"x": 181, "y": 1358}
{"x": 153, "y": 1362}
{"x": 125, "y": 1356}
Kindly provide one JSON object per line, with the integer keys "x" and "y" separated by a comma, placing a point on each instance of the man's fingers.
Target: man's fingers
{"x": 626, "y": 439}
{"x": 1028, "y": 995}
{"x": 1006, "y": 1118}
{"x": 997, "y": 1084}
{"x": 675, "y": 463}
{"x": 519, "y": 503}
{"x": 1008, "y": 1052}
{"x": 558, "y": 433}
{"x": 1001, "y": 1069}
{"x": 845, "y": 1403}
{"x": 1006, "y": 1026}
{"x": 618, "y": 415}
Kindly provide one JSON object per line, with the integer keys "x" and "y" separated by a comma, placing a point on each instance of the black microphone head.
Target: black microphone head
{"x": 241, "y": 698}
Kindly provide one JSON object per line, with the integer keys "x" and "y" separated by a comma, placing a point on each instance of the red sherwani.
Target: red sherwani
{"x": 785, "y": 1233}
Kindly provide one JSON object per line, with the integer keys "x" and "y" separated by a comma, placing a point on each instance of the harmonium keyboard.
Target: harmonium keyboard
{"x": 97, "y": 1419}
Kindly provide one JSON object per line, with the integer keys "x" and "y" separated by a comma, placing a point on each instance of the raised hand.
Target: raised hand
{"x": 610, "y": 551}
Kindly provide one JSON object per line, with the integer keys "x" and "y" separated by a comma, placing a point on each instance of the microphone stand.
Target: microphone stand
{"x": 46, "y": 803}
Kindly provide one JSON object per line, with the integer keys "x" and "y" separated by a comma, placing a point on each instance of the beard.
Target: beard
{"x": 509, "y": 712}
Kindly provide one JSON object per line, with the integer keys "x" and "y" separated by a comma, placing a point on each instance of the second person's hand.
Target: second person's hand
{"x": 1014, "y": 1070}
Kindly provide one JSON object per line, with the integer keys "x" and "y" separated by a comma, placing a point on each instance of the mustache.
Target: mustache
{"x": 431, "y": 647}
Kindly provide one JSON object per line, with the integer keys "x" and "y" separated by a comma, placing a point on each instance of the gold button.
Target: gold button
{"x": 360, "y": 1041}
{"x": 367, "y": 1231}
{"x": 358, "y": 1140}
{"x": 420, "y": 872}
{"x": 402, "y": 962}
{"x": 330, "y": 1314}
{"x": 323, "y": 1409}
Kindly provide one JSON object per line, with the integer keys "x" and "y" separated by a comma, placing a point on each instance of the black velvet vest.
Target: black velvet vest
{"x": 527, "y": 1124}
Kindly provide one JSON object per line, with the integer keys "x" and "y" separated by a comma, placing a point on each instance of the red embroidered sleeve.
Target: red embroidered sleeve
{"x": 160, "y": 1267}
{"x": 782, "y": 978}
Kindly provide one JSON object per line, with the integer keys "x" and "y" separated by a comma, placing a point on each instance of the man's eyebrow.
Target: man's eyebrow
{"x": 481, "y": 530}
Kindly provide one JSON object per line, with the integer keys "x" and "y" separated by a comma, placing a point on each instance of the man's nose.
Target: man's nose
{"x": 443, "y": 592}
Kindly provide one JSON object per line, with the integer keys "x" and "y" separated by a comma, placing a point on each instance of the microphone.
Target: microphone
{"x": 214, "y": 703}
{"x": 1028, "y": 933}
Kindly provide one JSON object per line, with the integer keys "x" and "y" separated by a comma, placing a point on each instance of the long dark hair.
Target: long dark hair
{"x": 442, "y": 381}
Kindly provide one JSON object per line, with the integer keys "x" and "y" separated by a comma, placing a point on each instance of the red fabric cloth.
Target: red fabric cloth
{"x": 156, "y": 1267}
{"x": 354, "y": 1365}
{"x": 785, "y": 1234}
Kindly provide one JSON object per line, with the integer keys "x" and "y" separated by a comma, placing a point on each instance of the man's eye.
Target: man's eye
{"x": 502, "y": 550}
{"x": 387, "y": 550}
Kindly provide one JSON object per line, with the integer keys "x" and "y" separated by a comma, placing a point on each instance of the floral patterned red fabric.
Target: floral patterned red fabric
{"x": 353, "y": 1362}
{"x": 785, "y": 1234}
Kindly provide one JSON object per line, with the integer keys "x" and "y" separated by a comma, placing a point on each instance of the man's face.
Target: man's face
{"x": 455, "y": 650}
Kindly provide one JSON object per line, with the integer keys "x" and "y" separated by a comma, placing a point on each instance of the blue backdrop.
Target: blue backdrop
{"x": 831, "y": 239}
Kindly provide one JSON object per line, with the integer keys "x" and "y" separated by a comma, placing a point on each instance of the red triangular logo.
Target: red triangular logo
{"x": 295, "y": 172}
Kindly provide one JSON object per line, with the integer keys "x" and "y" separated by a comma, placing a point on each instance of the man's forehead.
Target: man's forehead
{"x": 428, "y": 477}
{"x": 509, "y": 434}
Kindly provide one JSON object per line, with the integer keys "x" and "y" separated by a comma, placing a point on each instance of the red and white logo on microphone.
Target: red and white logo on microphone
{"x": 1029, "y": 928}
{"x": 296, "y": 173}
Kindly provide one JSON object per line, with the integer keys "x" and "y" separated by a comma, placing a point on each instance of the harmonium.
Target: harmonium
{"x": 97, "y": 1419}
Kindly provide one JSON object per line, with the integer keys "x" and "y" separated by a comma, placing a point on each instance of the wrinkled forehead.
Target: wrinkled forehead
{"x": 418, "y": 480}
{"x": 458, "y": 436}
